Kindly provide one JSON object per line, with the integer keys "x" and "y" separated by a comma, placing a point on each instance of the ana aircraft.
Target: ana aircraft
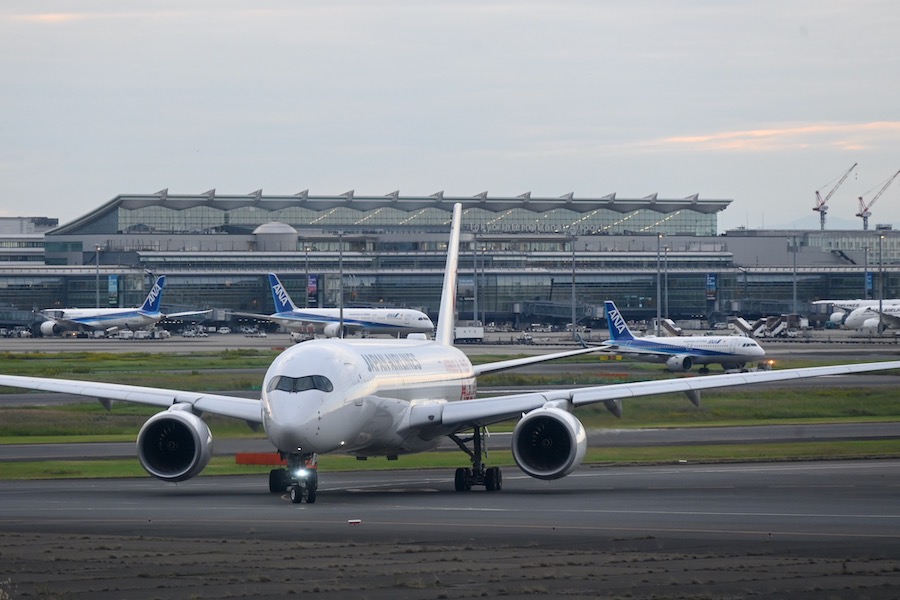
{"x": 393, "y": 321}
{"x": 111, "y": 319}
{"x": 680, "y": 353}
{"x": 389, "y": 397}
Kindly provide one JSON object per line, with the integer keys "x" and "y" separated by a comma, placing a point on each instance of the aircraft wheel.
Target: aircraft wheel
{"x": 296, "y": 494}
{"x": 704, "y": 371}
{"x": 278, "y": 481}
{"x": 493, "y": 479}
{"x": 310, "y": 495}
{"x": 461, "y": 480}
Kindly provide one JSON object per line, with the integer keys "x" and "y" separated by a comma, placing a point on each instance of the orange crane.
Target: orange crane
{"x": 821, "y": 206}
{"x": 864, "y": 211}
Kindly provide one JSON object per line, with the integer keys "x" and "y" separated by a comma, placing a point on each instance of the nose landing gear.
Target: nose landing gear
{"x": 300, "y": 478}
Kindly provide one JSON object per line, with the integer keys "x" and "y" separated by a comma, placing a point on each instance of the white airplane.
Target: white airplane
{"x": 846, "y": 307}
{"x": 679, "y": 353}
{"x": 386, "y": 398}
{"x": 868, "y": 318}
{"x": 110, "y": 319}
{"x": 393, "y": 321}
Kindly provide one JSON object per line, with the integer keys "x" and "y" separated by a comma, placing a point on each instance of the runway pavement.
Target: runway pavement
{"x": 799, "y": 530}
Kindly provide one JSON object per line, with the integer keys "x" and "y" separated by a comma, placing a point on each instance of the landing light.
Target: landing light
{"x": 301, "y": 473}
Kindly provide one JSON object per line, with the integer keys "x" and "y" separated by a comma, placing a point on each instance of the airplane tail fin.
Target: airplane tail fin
{"x": 618, "y": 328}
{"x": 154, "y": 298}
{"x": 447, "y": 316}
{"x": 280, "y": 296}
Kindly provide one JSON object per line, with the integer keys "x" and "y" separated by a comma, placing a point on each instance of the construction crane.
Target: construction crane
{"x": 821, "y": 203}
{"x": 864, "y": 211}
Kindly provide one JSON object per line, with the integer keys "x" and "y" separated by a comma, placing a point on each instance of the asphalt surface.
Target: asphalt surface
{"x": 797, "y": 530}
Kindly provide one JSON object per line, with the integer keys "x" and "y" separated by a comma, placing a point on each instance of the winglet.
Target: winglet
{"x": 154, "y": 298}
{"x": 447, "y": 316}
{"x": 618, "y": 328}
{"x": 280, "y": 296}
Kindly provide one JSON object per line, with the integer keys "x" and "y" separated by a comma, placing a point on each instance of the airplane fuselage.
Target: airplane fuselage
{"x": 355, "y": 396}
{"x": 372, "y": 320}
{"x": 101, "y": 318}
{"x": 731, "y": 349}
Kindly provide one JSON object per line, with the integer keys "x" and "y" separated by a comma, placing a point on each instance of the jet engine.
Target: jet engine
{"x": 334, "y": 330}
{"x": 549, "y": 443}
{"x": 49, "y": 328}
{"x": 679, "y": 363}
{"x": 838, "y": 317}
{"x": 174, "y": 445}
{"x": 870, "y": 325}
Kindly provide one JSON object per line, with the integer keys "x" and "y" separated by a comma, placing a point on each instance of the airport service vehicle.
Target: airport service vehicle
{"x": 111, "y": 319}
{"x": 328, "y": 321}
{"x": 370, "y": 397}
{"x": 679, "y": 353}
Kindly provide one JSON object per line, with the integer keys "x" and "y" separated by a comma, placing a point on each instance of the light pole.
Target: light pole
{"x": 97, "y": 275}
{"x": 880, "y": 283}
{"x": 794, "y": 256}
{"x": 666, "y": 281}
{"x": 574, "y": 316}
{"x": 475, "y": 279}
{"x": 306, "y": 284}
{"x": 341, "y": 283}
{"x": 484, "y": 284}
{"x": 659, "y": 238}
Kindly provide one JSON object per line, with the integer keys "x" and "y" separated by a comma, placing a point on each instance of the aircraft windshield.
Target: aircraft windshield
{"x": 301, "y": 384}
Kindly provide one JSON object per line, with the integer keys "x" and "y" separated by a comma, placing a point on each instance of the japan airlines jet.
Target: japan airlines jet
{"x": 110, "y": 319}
{"x": 679, "y": 353}
{"x": 386, "y": 398}
{"x": 393, "y": 321}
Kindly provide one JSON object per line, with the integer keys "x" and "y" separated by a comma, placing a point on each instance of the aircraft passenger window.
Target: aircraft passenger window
{"x": 301, "y": 384}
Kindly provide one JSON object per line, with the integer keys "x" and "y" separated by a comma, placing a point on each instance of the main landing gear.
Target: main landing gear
{"x": 491, "y": 478}
{"x": 300, "y": 478}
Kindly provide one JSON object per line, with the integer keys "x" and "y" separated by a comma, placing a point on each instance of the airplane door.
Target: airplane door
{"x": 351, "y": 375}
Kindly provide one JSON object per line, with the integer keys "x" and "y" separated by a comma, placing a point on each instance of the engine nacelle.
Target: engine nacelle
{"x": 870, "y": 325}
{"x": 174, "y": 445}
{"x": 49, "y": 328}
{"x": 679, "y": 363}
{"x": 549, "y": 443}
{"x": 334, "y": 330}
{"x": 838, "y": 317}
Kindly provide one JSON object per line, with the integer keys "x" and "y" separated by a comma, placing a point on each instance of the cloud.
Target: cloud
{"x": 843, "y": 136}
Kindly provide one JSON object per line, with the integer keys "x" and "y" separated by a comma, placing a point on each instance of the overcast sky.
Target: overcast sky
{"x": 763, "y": 102}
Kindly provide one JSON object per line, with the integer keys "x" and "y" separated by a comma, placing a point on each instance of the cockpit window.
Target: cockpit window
{"x": 301, "y": 384}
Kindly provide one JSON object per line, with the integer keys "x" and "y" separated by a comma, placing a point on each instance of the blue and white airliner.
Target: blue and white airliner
{"x": 392, "y": 321}
{"x": 369, "y": 397}
{"x": 59, "y": 320}
{"x": 680, "y": 353}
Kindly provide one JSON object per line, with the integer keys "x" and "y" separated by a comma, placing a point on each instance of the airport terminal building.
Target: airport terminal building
{"x": 523, "y": 259}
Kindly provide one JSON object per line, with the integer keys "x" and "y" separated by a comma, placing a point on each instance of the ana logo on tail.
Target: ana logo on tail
{"x": 151, "y": 304}
{"x": 618, "y": 328}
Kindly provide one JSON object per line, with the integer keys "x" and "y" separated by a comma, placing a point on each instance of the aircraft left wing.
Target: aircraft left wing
{"x": 248, "y": 409}
{"x": 187, "y": 313}
{"x": 485, "y": 411}
{"x": 513, "y": 363}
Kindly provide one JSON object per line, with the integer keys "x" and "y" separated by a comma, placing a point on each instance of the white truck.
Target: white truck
{"x": 468, "y": 332}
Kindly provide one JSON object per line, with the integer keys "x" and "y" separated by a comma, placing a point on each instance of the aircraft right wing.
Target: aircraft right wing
{"x": 247, "y": 409}
{"x": 485, "y": 411}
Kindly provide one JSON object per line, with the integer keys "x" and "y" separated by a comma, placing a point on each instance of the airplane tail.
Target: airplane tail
{"x": 447, "y": 316}
{"x": 154, "y": 298}
{"x": 618, "y": 328}
{"x": 280, "y": 296}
